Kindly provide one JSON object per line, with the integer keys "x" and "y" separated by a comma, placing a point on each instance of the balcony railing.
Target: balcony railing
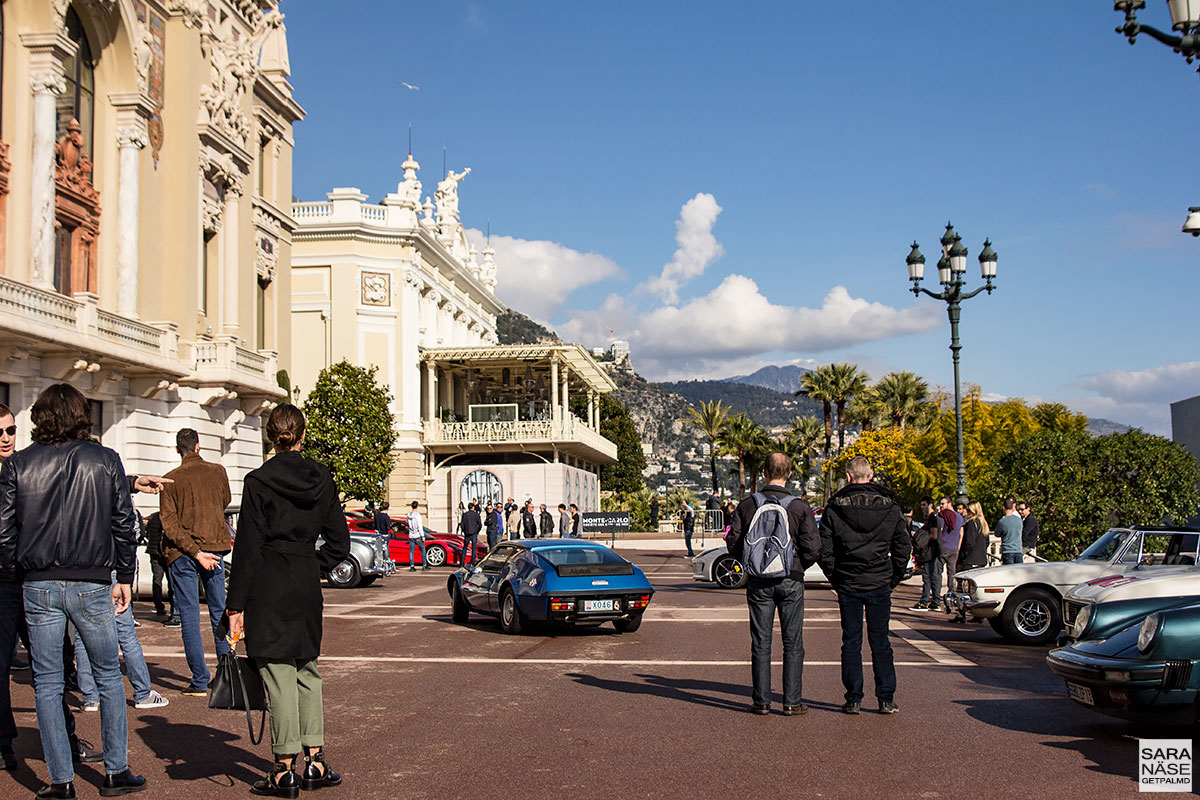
{"x": 547, "y": 432}
{"x": 223, "y": 360}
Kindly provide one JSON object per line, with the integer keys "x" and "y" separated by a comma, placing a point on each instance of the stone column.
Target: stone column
{"x": 430, "y": 392}
{"x": 232, "y": 271}
{"x": 591, "y": 409}
{"x": 46, "y": 85}
{"x": 566, "y": 394}
{"x": 409, "y": 372}
{"x": 555, "y": 411}
{"x": 47, "y": 54}
{"x": 130, "y": 141}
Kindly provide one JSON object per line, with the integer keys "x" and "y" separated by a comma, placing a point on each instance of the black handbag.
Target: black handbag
{"x": 237, "y": 685}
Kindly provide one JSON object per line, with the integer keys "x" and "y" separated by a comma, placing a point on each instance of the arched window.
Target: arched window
{"x": 480, "y": 485}
{"x": 79, "y": 100}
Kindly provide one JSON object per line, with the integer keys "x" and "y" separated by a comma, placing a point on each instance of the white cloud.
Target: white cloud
{"x": 734, "y": 323}
{"x": 1161, "y": 385}
{"x": 697, "y": 247}
{"x": 1150, "y": 417}
{"x": 536, "y": 277}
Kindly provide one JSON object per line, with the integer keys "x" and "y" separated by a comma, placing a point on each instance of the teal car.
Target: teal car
{"x": 1137, "y": 662}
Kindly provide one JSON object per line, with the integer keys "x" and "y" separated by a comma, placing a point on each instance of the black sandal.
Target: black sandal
{"x": 315, "y": 778}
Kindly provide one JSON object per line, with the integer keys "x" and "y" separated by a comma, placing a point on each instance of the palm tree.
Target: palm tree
{"x": 710, "y": 419}
{"x": 902, "y": 393}
{"x": 818, "y": 385}
{"x": 847, "y": 381}
{"x": 739, "y": 438}
{"x": 867, "y": 411}
{"x": 803, "y": 440}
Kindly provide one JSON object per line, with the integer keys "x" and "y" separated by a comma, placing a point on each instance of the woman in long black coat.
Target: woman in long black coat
{"x": 274, "y": 596}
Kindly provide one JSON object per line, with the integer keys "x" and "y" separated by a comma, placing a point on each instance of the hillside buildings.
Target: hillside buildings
{"x": 396, "y": 285}
{"x": 145, "y": 226}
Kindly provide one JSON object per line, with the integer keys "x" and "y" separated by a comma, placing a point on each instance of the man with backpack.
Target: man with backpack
{"x": 864, "y": 551}
{"x": 775, "y": 536}
{"x": 927, "y": 546}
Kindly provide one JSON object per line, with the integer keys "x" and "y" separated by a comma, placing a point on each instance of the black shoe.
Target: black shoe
{"x": 83, "y": 752}
{"x": 412, "y": 569}
{"x": 8, "y": 759}
{"x": 760, "y": 710}
{"x": 852, "y": 707}
{"x": 318, "y": 778}
{"x": 58, "y": 791}
{"x": 173, "y": 622}
{"x": 424, "y": 567}
{"x": 795, "y": 711}
{"x": 122, "y": 783}
{"x": 888, "y": 707}
{"x": 282, "y": 782}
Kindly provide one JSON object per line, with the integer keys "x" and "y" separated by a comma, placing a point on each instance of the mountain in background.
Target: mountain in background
{"x": 784, "y": 379}
{"x": 1098, "y": 426}
{"x": 767, "y": 407}
{"x": 513, "y": 327}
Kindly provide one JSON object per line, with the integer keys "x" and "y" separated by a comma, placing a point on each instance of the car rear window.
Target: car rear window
{"x": 584, "y": 561}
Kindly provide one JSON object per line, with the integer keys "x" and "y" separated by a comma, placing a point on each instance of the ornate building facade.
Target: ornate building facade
{"x": 397, "y": 285}
{"x": 145, "y": 225}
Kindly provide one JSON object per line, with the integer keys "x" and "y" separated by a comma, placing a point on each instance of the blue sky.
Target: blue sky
{"x": 729, "y": 184}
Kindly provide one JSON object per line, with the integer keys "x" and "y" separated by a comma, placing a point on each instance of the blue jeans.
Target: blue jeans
{"x": 877, "y": 606}
{"x": 1011, "y": 558}
{"x": 687, "y": 540}
{"x": 89, "y": 607}
{"x": 931, "y": 582}
{"x": 186, "y": 574}
{"x": 135, "y": 661}
{"x": 413, "y": 544}
{"x": 764, "y": 596}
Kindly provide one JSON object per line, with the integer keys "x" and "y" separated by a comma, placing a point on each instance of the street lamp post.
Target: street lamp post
{"x": 951, "y": 267}
{"x": 1185, "y": 19}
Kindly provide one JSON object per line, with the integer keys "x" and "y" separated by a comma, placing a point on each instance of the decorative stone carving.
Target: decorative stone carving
{"x": 413, "y": 279}
{"x": 132, "y": 136}
{"x": 447, "y": 196}
{"x": 487, "y": 272}
{"x": 211, "y": 213}
{"x": 427, "y": 210}
{"x": 376, "y": 289}
{"x": 77, "y": 208}
{"x": 232, "y": 71}
{"x": 221, "y": 169}
{"x": 192, "y": 11}
{"x": 410, "y": 188}
{"x": 266, "y": 258}
{"x": 47, "y": 81}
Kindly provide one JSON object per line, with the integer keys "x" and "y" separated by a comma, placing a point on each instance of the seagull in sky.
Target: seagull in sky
{"x": 408, "y": 85}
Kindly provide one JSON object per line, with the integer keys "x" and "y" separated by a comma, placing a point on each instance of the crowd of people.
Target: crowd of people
{"x": 68, "y": 532}
{"x": 955, "y": 537}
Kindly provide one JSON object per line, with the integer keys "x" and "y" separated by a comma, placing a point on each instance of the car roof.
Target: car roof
{"x": 537, "y": 544}
{"x": 1170, "y": 528}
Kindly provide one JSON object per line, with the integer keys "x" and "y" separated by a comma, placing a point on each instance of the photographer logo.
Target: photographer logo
{"x": 1165, "y": 765}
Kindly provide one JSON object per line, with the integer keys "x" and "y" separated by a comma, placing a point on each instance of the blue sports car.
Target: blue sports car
{"x": 553, "y": 580}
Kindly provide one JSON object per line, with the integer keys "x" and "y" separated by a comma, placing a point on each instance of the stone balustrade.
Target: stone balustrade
{"x": 562, "y": 433}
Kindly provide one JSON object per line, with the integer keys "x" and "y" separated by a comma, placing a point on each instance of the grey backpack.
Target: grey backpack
{"x": 767, "y": 548}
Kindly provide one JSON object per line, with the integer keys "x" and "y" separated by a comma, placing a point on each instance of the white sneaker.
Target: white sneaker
{"x": 91, "y": 706}
{"x": 153, "y": 700}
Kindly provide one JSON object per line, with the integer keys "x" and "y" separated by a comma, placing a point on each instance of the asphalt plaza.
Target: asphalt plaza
{"x": 417, "y": 706}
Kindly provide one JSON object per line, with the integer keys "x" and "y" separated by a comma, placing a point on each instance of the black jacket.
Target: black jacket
{"x": 276, "y": 577}
{"x": 1030, "y": 530}
{"x": 801, "y": 525}
{"x": 66, "y": 514}
{"x": 973, "y": 550}
{"x": 528, "y": 525}
{"x": 864, "y": 539}
{"x": 471, "y": 523}
{"x": 547, "y": 521}
{"x": 154, "y": 536}
{"x": 927, "y": 542}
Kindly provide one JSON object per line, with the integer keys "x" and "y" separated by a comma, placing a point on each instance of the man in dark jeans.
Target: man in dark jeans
{"x": 766, "y": 595}
{"x": 158, "y": 571}
{"x": 864, "y": 551}
{"x": 470, "y": 525}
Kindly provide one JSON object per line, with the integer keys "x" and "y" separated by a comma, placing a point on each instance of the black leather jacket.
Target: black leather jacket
{"x": 66, "y": 514}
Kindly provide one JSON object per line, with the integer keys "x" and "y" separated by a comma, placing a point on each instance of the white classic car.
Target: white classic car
{"x": 1100, "y": 607}
{"x": 1023, "y": 602}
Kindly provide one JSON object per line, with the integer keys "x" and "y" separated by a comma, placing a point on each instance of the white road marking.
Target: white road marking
{"x": 580, "y": 662}
{"x": 654, "y": 620}
{"x": 937, "y": 652}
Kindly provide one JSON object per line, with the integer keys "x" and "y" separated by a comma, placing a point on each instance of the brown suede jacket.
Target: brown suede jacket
{"x": 192, "y": 509}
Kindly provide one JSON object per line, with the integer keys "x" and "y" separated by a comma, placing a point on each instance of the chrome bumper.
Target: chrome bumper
{"x": 967, "y": 603}
{"x": 385, "y": 567}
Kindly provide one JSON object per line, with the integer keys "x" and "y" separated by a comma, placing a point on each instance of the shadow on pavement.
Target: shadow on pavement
{"x": 688, "y": 690}
{"x": 1108, "y": 744}
{"x": 200, "y": 752}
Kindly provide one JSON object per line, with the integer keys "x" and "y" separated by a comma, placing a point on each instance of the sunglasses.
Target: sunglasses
{"x": 11, "y": 430}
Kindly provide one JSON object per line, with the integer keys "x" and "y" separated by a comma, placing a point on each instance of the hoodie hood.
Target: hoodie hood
{"x": 294, "y": 477}
{"x": 864, "y": 506}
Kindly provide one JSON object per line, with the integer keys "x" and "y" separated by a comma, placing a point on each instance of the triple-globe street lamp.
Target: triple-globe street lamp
{"x": 1185, "y": 19}
{"x": 951, "y": 267}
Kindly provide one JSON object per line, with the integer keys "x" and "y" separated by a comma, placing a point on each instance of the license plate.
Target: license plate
{"x": 597, "y": 605}
{"x": 1082, "y": 694}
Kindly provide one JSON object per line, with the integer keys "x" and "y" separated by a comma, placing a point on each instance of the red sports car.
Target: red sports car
{"x": 440, "y": 548}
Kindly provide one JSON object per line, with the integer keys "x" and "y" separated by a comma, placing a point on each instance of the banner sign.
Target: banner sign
{"x": 605, "y": 521}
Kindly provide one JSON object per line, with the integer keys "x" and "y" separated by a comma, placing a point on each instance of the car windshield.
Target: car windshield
{"x": 574, "y": 561}
{"x": 1104, "y": 548}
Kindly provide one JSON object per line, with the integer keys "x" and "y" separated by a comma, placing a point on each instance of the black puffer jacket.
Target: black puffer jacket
{"x": 66, "y": 514}
{"x": 864, "y": 539}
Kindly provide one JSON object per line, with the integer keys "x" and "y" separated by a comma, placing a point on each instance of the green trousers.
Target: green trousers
{"x": 294, "y": 703}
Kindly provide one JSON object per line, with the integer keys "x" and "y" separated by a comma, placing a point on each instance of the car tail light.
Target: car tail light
{"x": 639, "y": 601}
{"x": 561, "y": 604}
